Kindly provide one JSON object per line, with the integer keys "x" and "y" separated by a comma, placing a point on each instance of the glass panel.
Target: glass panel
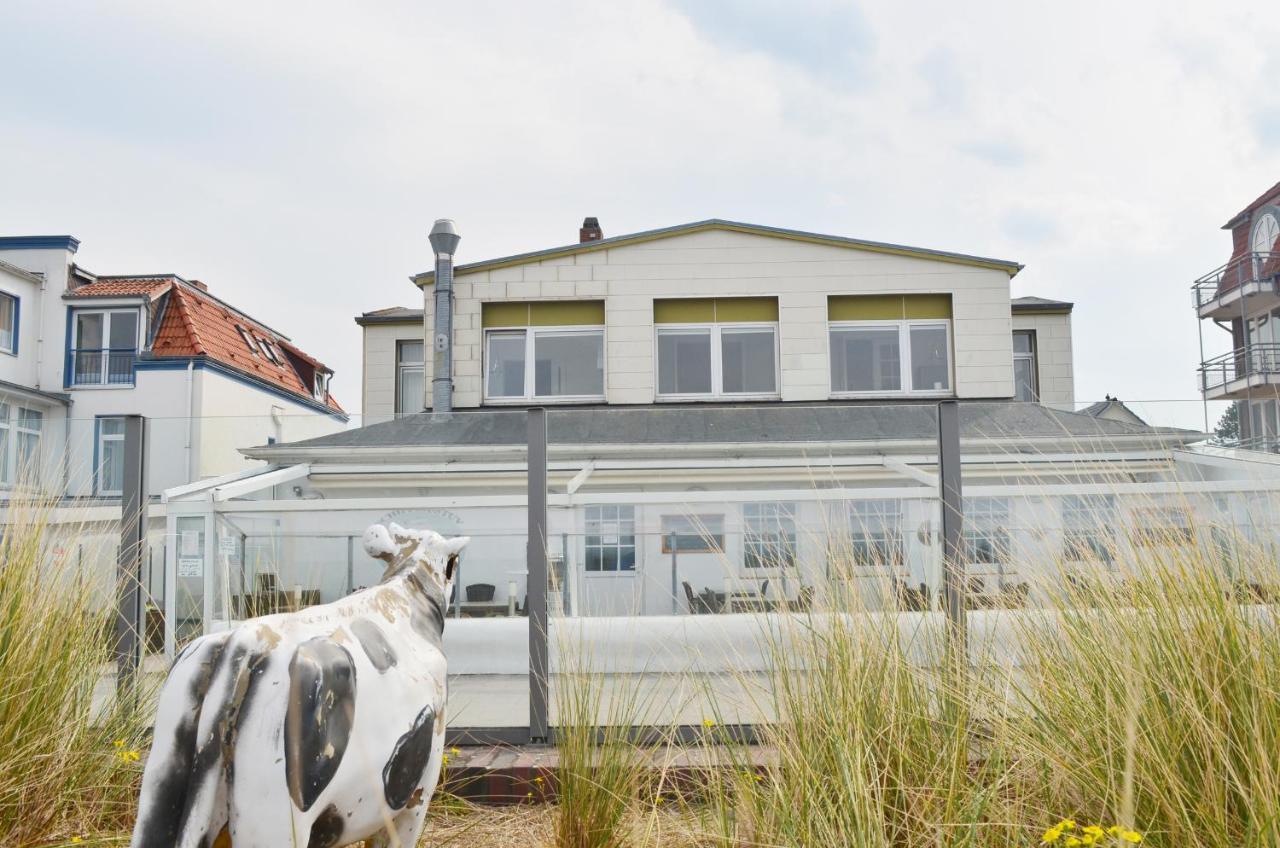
{"x": 410, "y": 396}
{"x": 693, "y": 533}
{"x": 111, "y": 472}
{"x": 875, "y": 528}
{"x": 411, "y": 353}
{"x": 1024, "y": 385}
{"x": 568, "y": 364}
{"x": 5, "y": 471}
{"x": 6, "y": 322}
{"x": 865, "y": 359}
{"x": 986, "y": 530}
{"x": 930, "y": 368}
{"x": 770, "y": 535}
{"x": 112, "y": 426}
{"x": 1022, "y": 341}
{"x": 610, "y": 540}
{"x": 124, "y": 330}
{"x": 506, "y": 365}
{"x": 747, "y": 360}
{"x": 684, "y": 362}
{"x": 89, "y": 331}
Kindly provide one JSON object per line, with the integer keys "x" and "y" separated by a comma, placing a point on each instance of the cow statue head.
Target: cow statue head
{"x": 401, "y": 549}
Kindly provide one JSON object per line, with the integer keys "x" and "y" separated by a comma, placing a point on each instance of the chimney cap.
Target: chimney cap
{"x": 590, "y": 230}
{"x": 444, "y": 237}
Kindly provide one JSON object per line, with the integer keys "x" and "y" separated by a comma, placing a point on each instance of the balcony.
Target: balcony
{"x": 1249, "y": 371}
{"x": 102, "y": 366}
{"x": 1244, "y": 286}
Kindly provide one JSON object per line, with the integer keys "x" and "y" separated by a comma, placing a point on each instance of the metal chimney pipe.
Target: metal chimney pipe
{"x": 444, "y": 241}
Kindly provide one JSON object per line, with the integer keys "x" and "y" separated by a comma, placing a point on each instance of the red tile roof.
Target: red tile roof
{"x": 194, "y": 323}
{"x": 152, "y": 286}
{"x": 1266, "y": 197}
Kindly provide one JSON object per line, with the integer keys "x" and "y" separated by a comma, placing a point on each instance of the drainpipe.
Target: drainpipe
{"x": 191, "y": 417}
{"x": 444, "y": 241}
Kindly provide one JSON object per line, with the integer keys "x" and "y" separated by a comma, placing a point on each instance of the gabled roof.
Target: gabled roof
{"x": 194, "y": 323}
{"x": 391, "y": 315}
{"x": 1005, "y": 265}
{"x": 1040, "y": 305}
{"x": 1263, "y": 199}
{"x": 1110, "y": 407}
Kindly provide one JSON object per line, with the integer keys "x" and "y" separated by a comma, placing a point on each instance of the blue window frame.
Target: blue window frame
{"x": 103, "y": 347}
{"x": 9, "y": 312}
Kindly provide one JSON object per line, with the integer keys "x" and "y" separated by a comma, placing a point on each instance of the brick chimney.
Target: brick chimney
{"x": 590, "y": 230}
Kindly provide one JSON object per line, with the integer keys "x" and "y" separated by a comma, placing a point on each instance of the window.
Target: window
{"x": 1161, "y": 526}
{"x": 104, "y": 347}
{"x": 248, "y": 340}
{"x": 20, "y": 432}
{"x": 552, "y": 350}
{"x": 1026, "y": 383}
{"x": 410, "y": 376}
{"x": 109, "y": 475}
{"x": 986, "y": 530}
{"x": 6, "y": 475}
{"x": 693, "y": 534}
{"x": 890, "y": 344}
{"x": 321, "y": 387}
{"x": 8, "y": 323}
{"x": 1088, "y": 524}
{"x": 717, "y": 347}
{"x": 875, "y": 532}
{"x": 769, "y": 535}
{"x": 610, "y": 538}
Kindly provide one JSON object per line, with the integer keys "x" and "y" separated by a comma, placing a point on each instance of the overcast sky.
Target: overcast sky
{"x": 293, "y": 156}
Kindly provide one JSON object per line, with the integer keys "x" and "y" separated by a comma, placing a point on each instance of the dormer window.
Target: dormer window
{"x": 321, "y": 385}
{"x": 248, "y": 340}
{"x": 104, "y": 347}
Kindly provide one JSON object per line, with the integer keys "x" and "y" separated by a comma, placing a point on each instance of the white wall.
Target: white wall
{"x": 234, "y": 415}
{"x": 379, "y": 379}
{"x": 722, "y": 263}
{"x": 1053, "y": 357}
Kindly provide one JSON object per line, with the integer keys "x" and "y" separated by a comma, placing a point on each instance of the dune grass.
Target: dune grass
{"x": 64, "y": 770}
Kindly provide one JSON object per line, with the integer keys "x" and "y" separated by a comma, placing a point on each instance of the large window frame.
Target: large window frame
{"x": 988, "y": 539}
{"x": 905, "y": 376}
{"x": 715, "y": 332}
{"x": 875, "y": 533}
{"x": 769, "y": 540}
{"x": 406, "y": 367}
{"x": 531, "y": 336}
{"x": 693, "y": 534}
{"x": 10, "y": 314}
{"x": 1089, "y": 528}
{"x": 1030, "y": 356}
{"x": 21, "y": 437}
{"x": 609, "y": 540}
{"x": 111, "y": 361}
{"x": 103, "y": 443}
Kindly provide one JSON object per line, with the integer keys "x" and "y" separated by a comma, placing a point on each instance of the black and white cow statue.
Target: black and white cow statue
{"x": 311, "y": 729}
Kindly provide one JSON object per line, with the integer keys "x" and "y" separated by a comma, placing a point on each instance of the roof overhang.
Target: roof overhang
{"x": 1011, "y": 268}
{"x": 34, "y": 394}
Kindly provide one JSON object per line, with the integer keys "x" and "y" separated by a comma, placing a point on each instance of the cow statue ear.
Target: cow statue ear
{"x": 379, "y": 544}
{"x": 402, "y": 535}
{"x": 455, "y": 545}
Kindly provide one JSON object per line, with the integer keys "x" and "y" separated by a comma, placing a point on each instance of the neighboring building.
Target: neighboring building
{"x": 78, "y": 351}
{"x": 1113, "y": 409}
{"x": 1243, "y": 298}
{"x": 718, "y": 311}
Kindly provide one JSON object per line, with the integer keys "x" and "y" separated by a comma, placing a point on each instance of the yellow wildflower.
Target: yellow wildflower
{"x": 1051, "y": 835}
{"x": 76, "y": 840}
{"x": 119, "y": 743}
{"x": 444, "y": 759}
{"x": 1092, "y": 830}
{"x": 538, "y": 779}
{"x": 454, "y": 751}
{"x": 1131, "y": 836}
{"x": 708, "y": 723}
{"x": 1072, "y": 841}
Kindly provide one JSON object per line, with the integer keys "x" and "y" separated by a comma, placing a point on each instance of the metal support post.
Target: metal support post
{"x": 133, "y": 538}
{"x": 953, "y": 583}
{"x": 537, "y": 577}
{"x": 675, "y": 597}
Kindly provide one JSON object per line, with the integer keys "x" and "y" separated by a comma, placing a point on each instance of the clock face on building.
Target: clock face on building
{"x": 1265, "y": 233}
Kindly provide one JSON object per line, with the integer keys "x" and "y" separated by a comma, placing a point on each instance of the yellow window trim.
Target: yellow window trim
{"x": 542, "y": 313}
{"x": 888, "y": 307}
{"x": 715, "y": 310}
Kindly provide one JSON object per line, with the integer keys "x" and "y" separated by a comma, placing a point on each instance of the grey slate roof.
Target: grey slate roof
{"x": 1038, "y": 304}
{"x": 746, "y": 424}
{"x": 391, "y": 315}
{"x": 1095, "y": 410}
